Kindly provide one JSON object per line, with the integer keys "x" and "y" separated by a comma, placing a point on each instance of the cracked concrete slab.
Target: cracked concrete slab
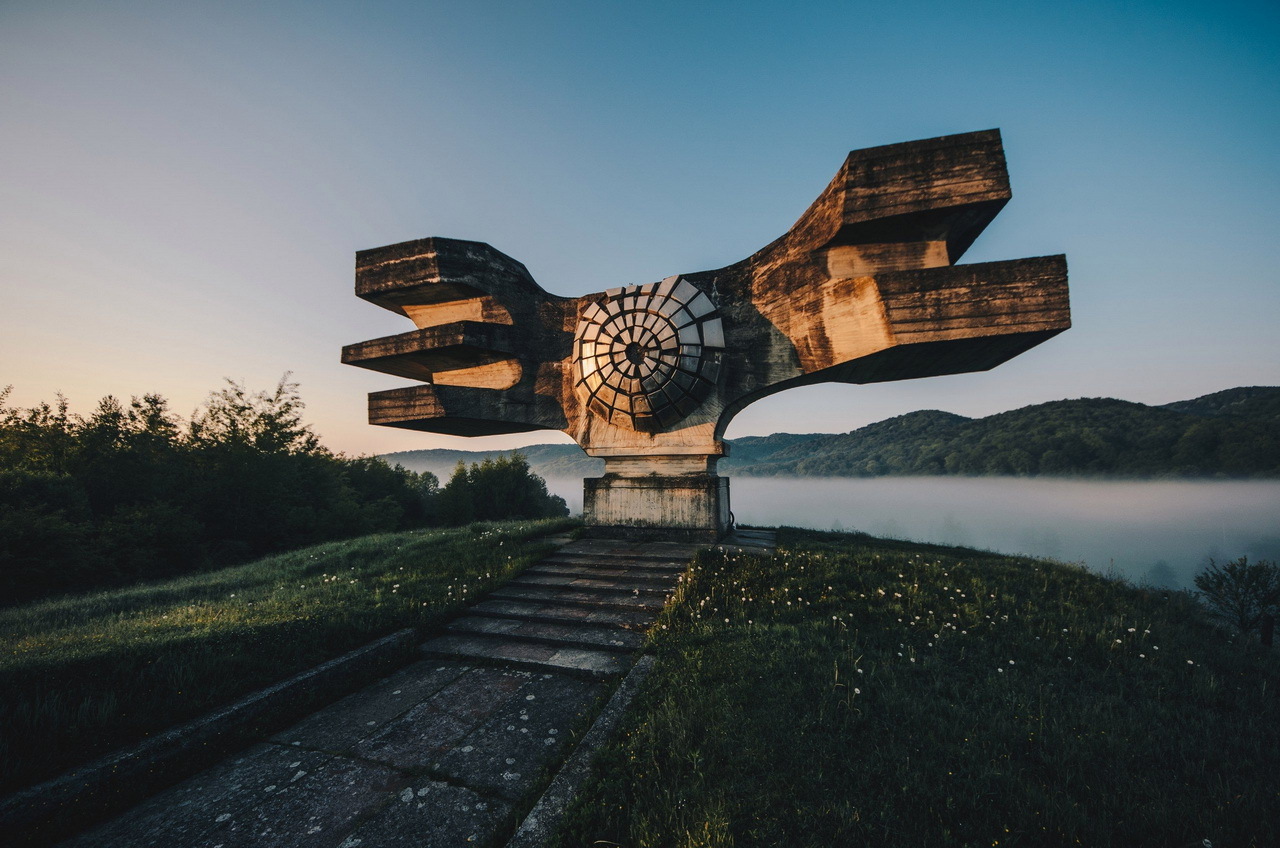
{"x": 506, "y": 753}
{"x": 442, "y": 752}
{"x": 428, "y": 813}
{"x": 317, "y": 810}
{"x": 187, "y": 813}
{"x": 342, "y": 725}
{"x": 532, "y": 655}
{"x": 581, "y": 635}
{"x": 615, "y": 600}
{"x": 634, "y": 619}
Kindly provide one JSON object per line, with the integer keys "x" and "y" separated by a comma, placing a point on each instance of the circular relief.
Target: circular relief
{"x": 647, "y": 356}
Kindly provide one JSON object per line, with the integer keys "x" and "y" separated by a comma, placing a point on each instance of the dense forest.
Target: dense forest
{"x": 1234, "y": 433}
{"x": 133, "y": 491}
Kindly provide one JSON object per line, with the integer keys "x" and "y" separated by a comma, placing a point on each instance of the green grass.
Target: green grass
{"x": 84, "y": 674}
{"x": 855, "y": 691}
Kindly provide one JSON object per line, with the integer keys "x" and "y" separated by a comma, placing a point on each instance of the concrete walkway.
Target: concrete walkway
{"x": 450, "y": 750}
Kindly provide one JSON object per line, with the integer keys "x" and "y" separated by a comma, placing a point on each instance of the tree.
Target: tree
{"x": 268, "y": 422}
{"x": 1240, "y": 593}
{"x": 497, "y": 489}
{"x": 131, "y": 491}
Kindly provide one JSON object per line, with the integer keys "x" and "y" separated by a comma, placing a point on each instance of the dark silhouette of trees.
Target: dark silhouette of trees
{"x": 497, "y": 488}
{"x": 132, "y": 491}
{"x": 1240, "y": 593}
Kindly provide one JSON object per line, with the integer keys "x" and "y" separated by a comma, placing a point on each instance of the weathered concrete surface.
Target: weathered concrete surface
{"x": 438, "y": 752}
{"x": 862, "y": 288}
{"x": 547, "y": 814}
{"x": 591, "y": 598}
{"x": 565, "y": 613}
{"x": 639, "y": 577}
{"x": 551, "y": 633}
{"x": 45, "y": 812}
{"x": 443, "y": 752}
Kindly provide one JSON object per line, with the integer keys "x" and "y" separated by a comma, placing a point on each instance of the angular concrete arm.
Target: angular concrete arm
{"x": 861, "y": 289}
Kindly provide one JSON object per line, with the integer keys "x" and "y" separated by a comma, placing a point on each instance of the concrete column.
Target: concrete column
{"x": 669, "y": 497}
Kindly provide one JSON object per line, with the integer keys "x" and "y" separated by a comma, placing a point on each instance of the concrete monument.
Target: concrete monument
{"x": 862, "y": 289}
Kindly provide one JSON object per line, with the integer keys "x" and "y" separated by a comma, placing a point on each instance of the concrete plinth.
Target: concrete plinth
{"x": 692, "y": 507}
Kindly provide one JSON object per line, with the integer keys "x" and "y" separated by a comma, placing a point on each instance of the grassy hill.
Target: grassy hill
{"x": 83, "y": 674}
{"x": 858, "y": 691}
{"x": 845, "y": 691}
{"x": 1234, "y": 433}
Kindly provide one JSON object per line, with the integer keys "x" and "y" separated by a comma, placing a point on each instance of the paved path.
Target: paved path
{"x": 450, "y": 750}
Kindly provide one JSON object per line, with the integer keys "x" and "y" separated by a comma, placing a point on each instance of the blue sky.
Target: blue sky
{"x": 183, "y": 185}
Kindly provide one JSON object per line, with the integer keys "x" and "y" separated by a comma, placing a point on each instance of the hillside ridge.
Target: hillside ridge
{"x": 1226, "y": 434}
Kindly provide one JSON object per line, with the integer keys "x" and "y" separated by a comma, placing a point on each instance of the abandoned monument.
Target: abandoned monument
{"x": 862, "y": 289}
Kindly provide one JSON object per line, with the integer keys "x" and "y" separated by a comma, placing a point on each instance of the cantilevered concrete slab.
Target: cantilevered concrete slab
{"x": 863, "y": 288}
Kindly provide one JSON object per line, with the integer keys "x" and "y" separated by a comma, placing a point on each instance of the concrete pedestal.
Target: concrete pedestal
{"x": 688, "y": 507}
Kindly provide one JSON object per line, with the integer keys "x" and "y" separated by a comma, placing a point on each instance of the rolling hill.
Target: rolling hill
{"x": 1233, "y": 433}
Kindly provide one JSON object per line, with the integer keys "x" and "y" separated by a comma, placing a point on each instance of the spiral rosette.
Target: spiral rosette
{"x": 647, "y": 356}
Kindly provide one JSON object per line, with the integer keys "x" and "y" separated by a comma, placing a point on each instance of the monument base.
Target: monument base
{"x": 690, "y": 507}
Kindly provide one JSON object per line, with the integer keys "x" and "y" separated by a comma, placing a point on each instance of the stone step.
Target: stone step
{"x": 629, "y": 565}
{"x": 578, "y": 635}
{"x": 540, "y": 657}
{"x": 657, "y": 550}
{"x": 752, "y": 544}
{"x": 647, "y": 578}
{"x": 585, "y": 597}
{"x": 630, "y": 560}
{"x": 591, "y": 582}
{"x": 629, "y": 619}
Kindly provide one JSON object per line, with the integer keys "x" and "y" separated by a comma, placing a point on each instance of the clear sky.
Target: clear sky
{"x": 183, "y": 186}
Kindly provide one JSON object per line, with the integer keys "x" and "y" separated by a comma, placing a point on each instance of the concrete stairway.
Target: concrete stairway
{"x": 446, "y": 750}
{"x": 582, "y": 610}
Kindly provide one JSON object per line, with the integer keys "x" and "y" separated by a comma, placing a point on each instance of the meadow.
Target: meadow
{"x": 857, "y": 691}
{"x": 84, "y": 674}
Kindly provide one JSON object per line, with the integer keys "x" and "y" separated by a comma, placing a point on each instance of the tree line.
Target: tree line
{"x": 1086, "y": 437}
{"x": 133, "y": 491}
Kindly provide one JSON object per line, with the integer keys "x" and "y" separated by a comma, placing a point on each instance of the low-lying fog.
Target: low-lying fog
{"x": 1157, "y": 533}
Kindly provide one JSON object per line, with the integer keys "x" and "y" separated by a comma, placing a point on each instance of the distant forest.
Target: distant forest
{"x": 1229, "y": 434}
{"x": 132, "y": 491}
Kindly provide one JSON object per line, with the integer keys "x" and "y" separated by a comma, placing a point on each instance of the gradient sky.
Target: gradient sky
{"x": 183, "y": 185}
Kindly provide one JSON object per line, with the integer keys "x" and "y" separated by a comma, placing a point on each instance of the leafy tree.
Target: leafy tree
{"x": 496, "y": 489}
{"x": 1240, "y": 593}
{"x": 131, "y": 491}
{"x": 267, "y": 422}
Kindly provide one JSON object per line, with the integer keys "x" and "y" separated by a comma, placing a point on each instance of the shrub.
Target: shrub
{"x": 1240, "y": 593}
{"x": 498, "y": 489}
{"x": 131, "y": 491}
